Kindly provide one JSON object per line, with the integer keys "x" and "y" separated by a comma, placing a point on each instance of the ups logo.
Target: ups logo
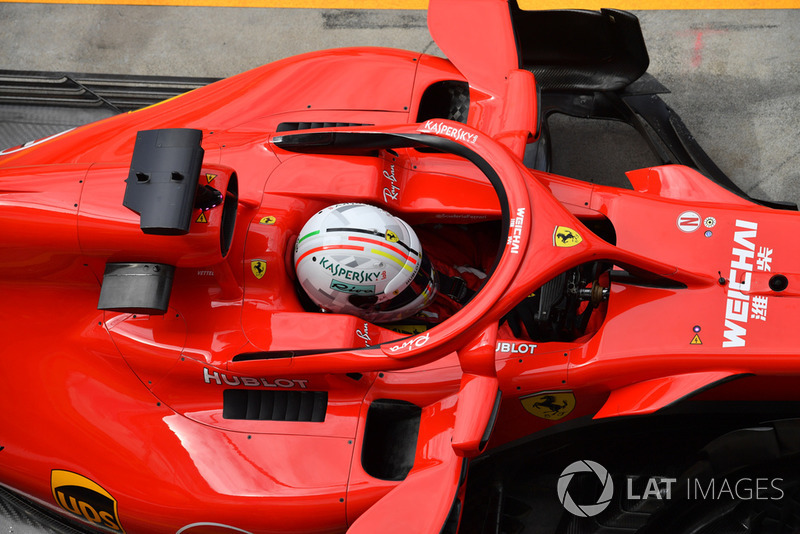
{"x": 81, "y": 497}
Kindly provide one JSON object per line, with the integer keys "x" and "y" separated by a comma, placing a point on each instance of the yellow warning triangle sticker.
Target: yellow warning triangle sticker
{"x": 210, "y": 178}
{"x": 696, "y": 340}
{"x": 202, "y": 218}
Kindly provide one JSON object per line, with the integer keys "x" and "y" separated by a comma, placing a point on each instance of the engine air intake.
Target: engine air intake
{"x": 390, "y": 438}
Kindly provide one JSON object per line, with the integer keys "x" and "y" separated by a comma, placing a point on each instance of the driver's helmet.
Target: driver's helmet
{"x": 361, "y": 260}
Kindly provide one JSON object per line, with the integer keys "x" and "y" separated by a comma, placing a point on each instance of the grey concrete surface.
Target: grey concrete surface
{"x": 735, "y": 81}
{"x": 188, "y": 41}
{"x": 734, "y": 75}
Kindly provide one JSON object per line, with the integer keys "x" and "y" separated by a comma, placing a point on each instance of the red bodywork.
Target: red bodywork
{"x": 128, "y": 407}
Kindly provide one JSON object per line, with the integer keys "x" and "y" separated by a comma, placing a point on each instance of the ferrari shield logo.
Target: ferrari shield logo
{"x": 550, "y": 405}
{"x": 566, "y": 237}
{"x": 259, "y": 268}
{"x": 391, "y": 237}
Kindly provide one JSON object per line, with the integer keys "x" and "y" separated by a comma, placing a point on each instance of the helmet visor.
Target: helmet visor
{"x": 424, "y": 280}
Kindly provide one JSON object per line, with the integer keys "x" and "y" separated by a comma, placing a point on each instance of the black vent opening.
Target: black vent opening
{"x": 291, "y": 126}
{"x": 390, "y": 439}
{"x": 229, "y": 215}
{"x": 445, "y": 100}
{"x": 280, "y": 405}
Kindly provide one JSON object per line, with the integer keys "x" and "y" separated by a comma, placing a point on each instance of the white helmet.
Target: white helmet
{"x": 361, "y": 260}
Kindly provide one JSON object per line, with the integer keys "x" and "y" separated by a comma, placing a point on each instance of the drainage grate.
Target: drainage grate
{"x": 267, "y": 405}
{"x": 116, "y": 91}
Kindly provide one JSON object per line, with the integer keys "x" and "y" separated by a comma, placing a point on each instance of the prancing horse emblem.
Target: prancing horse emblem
{"x": 259, "y": 268}
{"x": 566, "y": 237}
{"x": 551, "y": 405}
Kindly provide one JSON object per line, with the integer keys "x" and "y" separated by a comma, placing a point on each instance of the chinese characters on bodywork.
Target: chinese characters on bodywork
{"x": 740, "y": 306}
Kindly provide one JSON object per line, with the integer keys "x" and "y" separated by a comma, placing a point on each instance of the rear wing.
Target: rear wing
{"x": 580, "y": 50}
{"x": 593, "y": 64}
{"x": 564, "y": 49}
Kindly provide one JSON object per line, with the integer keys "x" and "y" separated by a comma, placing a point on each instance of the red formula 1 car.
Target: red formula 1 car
{"x": 162, "y": 371}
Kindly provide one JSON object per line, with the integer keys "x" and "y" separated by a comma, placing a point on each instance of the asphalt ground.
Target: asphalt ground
{"x": 734, "y": 74}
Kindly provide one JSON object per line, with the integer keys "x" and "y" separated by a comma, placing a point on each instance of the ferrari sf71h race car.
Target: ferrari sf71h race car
{"x": 163, "y": 372}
